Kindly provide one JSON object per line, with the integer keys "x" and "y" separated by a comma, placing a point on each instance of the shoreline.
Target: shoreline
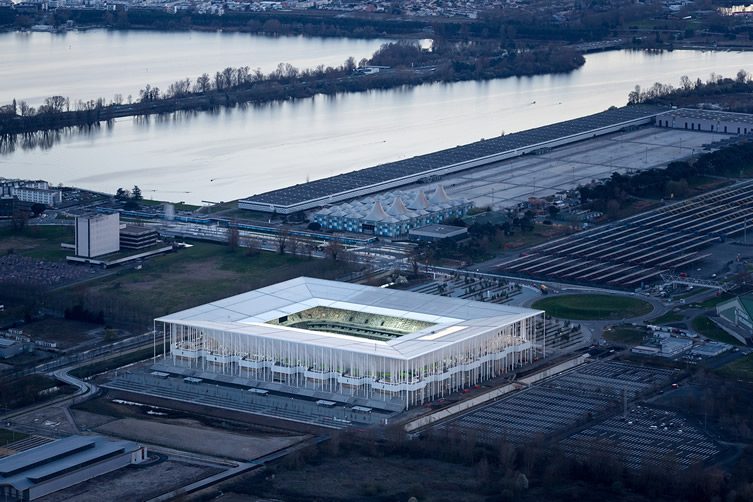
{"x": 280, "y": 88}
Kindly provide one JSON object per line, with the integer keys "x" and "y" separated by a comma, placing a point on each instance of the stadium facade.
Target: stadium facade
{"x": 351, "y": 339}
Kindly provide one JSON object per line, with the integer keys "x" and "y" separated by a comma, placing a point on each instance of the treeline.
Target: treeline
{"x": 309, "y": 23}
{"x": 502, "y": 471}
{"x": 482, "y": 242}
{"x": 231, "y": 86}
{"x": 28, "y": 390}
{"x": 715, "y": 85}
{"x": 613, "y": 194}
{"x": 79, "y": 313}
{"x": 501, "y": 24}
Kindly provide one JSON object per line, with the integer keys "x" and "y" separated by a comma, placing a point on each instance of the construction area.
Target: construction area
{"x": 640, "y": 248}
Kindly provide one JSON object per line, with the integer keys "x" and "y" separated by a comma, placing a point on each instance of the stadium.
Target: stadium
{"x": 353, "y": 340}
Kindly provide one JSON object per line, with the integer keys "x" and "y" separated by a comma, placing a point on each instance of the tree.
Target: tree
{"x": 553, "y": 211}
{"x": 24, "y": 109}
{"x": 136, "y": 193}
{"x": 19, "y": 219}
{"x": 37, "y": 208}
{"x": 334, "y": 250}
{"x": 613, "y": 208}
{"x": 634, "y": 97}
{"x": 203, "y": 83}
{"x": 131, "y": 205}
{"x": 233, "y": 237}
{"x": 282, "y": 239}
{"x": 122, "y": 194}
{"x": 53, "y": 104}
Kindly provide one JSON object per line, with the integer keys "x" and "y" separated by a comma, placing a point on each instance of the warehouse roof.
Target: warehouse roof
{"x": 385, "y": 172}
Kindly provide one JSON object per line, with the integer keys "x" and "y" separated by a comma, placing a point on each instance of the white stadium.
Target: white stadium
{"x": 352, "y": 340}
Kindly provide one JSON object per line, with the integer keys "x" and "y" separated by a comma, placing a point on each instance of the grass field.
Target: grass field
{"x": 668, "y": 318}
{"x": 707, "y": 328}
{"x": 190, "y": 277}
{"x": 741, "y": 369}
{"x": 716, "y": 300}
{"x": 593, "y": 307}
{"x": 41, "y": 242}
{"x": 540, "y": 233}
{"x": 625, "y": 335}
{"x": 7, "y": 436}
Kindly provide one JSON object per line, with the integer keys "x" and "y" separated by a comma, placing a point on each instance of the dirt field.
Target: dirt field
{"x": 134, "y": 483}
{"x": 190, "y": 435}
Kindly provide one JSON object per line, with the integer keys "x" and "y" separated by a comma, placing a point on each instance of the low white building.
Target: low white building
{"x": 34, "y": 191}
{"x": 48, "y": 197}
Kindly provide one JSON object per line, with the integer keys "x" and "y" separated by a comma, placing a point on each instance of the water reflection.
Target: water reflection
{"x": 45, "y": 140}
{"x": 256, "y": 147}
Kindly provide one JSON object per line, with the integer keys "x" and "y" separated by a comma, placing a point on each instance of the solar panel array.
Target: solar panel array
{"x": 641, "y": 247}
{"x": 646, "y": 438}
{"x": 385, "y": 172}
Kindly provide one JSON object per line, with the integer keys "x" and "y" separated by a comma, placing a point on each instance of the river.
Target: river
{"x": 101, "y": 63}
{"x": 234, "y": 153}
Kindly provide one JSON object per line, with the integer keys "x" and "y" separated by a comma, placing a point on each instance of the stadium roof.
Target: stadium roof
{"x": 394, "y": 170}
{"x": 454, "y": 319}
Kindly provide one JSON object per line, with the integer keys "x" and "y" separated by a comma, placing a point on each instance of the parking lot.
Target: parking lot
{"x": 559, "y": 403}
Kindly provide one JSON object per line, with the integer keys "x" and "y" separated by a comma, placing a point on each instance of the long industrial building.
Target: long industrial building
{"x": 43, "y": 470}
{"x": 350, "y": 339}
{"x": 430, "y": 167}
{"x": 426, "y": 167}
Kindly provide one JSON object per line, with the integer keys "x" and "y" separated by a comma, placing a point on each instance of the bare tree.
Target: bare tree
{"x": 335, "y": 250}
{"x": 294, "y": 245}
{"x": 233, "y": 237}
{"x": 24, "y": 109}
{"x": 203, "y": 83}
{"x": 19, "y": 219}
{"x": 282, "y": 239}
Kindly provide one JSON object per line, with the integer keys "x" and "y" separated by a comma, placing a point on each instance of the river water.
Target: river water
{"x": 100, "y": 63}
{"x": 234, "y": 153}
